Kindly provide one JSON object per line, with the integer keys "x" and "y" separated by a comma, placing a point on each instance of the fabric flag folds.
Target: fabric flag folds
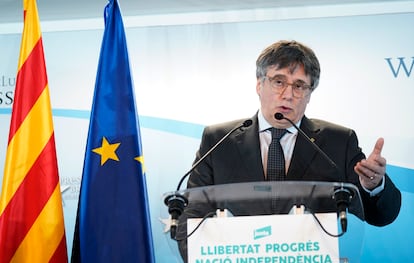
{"x": 113, "y": 222}
{"x": 31, "y": 215}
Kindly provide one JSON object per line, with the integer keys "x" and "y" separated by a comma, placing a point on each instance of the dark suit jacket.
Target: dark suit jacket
{"x": 238, "y": 159}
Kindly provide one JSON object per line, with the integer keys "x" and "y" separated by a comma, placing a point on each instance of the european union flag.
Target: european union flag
{"x": 113, "y": 222}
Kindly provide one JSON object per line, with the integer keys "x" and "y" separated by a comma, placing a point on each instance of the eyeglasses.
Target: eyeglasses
{"x": 279, "y": 84}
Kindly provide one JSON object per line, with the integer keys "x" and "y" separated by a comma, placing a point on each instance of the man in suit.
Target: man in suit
{"x": 287, "y": 73}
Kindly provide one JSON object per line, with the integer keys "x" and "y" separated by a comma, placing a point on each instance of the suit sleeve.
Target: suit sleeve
{"x": 383, "y": 208}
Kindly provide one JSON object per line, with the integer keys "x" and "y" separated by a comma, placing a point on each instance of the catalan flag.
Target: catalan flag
{"x": 31, "y": 214}
{"x": 113, "y": 222}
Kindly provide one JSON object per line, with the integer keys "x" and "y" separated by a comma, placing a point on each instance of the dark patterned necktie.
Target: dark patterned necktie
{"x": 275, "y": 157}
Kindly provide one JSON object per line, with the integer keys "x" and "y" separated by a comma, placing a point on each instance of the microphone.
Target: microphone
{"x": 279, "y": 116}
{"x": 176, "y": 202}
{"x": 342, "y": 195}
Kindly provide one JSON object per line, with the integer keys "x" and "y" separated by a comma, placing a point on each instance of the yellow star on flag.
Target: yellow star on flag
{"x": 140, "y": 159}
{"x": 107, "y": 151}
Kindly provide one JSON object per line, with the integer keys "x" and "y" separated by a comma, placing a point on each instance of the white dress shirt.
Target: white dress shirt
{"x": 288, "y": 144}
{"x": 287, "y": 141}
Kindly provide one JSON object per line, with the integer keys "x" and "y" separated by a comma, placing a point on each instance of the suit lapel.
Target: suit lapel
{"x": 248, "y": 144}
{"x": 247, "y": 140}
{"x": 303, "y": 153}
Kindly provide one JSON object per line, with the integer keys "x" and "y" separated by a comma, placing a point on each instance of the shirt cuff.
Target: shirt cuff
{"x": 376, "y": 190}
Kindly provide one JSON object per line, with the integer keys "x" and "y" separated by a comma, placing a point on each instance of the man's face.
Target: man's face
{"x": 283, "y": 101}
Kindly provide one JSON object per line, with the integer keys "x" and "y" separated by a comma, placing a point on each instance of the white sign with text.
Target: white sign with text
{"x": 264, "y": 239}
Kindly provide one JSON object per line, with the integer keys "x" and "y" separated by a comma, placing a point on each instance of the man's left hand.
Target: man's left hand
{"x": 372, "y": 170}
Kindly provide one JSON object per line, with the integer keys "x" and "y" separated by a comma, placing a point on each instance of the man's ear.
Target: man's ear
{"x": 259, "y": 86}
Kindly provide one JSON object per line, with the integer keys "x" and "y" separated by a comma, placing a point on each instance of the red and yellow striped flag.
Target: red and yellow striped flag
{"x": 31, "y": 214}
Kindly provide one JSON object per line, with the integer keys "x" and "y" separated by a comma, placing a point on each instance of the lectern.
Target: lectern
{"x": 268, "y": 221}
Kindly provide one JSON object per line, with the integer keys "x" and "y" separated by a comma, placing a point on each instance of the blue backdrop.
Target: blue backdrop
{"x": 188, "y": 75}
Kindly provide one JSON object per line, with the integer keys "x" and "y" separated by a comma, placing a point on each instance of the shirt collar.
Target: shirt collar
{"x": 264, "y": 125}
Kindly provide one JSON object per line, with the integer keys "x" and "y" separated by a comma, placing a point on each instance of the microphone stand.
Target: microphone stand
{"x": 177, "y": 202}
{"x": 342, "y": 195}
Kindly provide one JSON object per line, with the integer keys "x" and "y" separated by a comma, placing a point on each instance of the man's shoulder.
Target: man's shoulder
{"x": 224, "y": 127}
{"x": 319, "y": 124}
{"x": 227, "y": 124}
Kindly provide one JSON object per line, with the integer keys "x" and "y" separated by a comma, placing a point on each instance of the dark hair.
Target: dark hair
{"x": 284, "y": 54}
